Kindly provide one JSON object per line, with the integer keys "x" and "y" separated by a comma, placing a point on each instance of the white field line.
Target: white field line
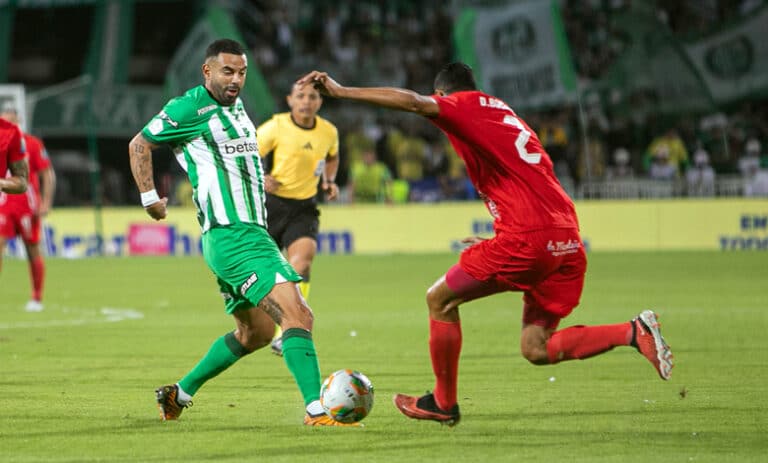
{"x": 105, "y": 315}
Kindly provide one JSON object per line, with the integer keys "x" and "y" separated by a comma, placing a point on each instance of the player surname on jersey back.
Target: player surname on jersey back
{"x": 494, "y": 103}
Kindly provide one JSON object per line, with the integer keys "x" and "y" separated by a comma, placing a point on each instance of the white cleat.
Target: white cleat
{"x": 651, "y": 344}
{"x": 276, "y": 346}
{"x": 34, "y": 306}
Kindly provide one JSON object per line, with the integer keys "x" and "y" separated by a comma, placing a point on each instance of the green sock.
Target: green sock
{"x": 223, "y": 353}
{"x": 301, "y": 358}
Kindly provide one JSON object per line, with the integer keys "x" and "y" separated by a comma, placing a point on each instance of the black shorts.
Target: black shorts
{"x": 291, "y": 219}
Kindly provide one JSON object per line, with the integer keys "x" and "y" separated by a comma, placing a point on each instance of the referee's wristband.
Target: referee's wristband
{"x": 149, "y": 198}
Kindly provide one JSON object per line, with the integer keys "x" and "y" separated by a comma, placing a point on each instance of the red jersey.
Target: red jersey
{"x": 38, "y": 161}
{"x": 505, "y": 162}
{"x": 11, "y": 145}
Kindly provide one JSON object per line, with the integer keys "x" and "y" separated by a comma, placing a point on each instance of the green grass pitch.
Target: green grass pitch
{"x": 77, "y": 380}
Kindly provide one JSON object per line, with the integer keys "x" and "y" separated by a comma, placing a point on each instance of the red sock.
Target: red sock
{"x": 37, "y": 272}
{"x": 444, "y": 348}
{"x": 580, "y": 342}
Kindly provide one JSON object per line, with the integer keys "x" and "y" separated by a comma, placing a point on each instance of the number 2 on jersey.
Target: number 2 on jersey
{"x": 522, "y": 140}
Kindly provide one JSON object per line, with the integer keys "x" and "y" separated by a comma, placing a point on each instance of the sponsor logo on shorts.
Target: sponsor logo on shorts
{"x": 559, "y": 248}
{"x": 248, "y": 283}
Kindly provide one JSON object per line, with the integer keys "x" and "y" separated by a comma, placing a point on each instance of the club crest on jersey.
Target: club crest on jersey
{"x": 248, "y": 283}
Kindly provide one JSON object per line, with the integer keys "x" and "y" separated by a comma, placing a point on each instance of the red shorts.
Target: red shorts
{"x": 548, "y": 266}
{"x": 19, "y": 221}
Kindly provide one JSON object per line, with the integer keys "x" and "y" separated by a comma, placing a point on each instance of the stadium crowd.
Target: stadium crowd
{"x": 604, "y": 153}
{"x": 600, "y": 149}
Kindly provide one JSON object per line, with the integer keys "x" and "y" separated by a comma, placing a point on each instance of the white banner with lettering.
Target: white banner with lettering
{"x": 523, "y": 55}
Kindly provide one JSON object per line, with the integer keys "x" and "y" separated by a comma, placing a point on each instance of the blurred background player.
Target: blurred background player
{"x": 215, "y": 142}
{"x": 303, "y": 149}
{"x": 22, "y": 215}
{"x": 14, "y": 177}
{"x": 536, "y": 248}
{"x": 14, "y": 169}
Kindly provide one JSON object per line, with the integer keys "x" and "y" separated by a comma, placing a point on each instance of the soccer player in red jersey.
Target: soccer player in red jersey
{"x": 536, "y": 248}
{"x": 12, "y": 160}
{"x": 20, "y": 215}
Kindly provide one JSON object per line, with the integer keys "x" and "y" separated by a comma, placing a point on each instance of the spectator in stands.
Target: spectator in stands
{"x": 356, "y": 142}
{"x": 750, "y": 161}
{"x": 553, "y": 133}
{"x": 409, "y": 153}
{"x": 461, "y": 187}
{"x": 700, "y": 177}
{"x": 437, "y": 166}
{"x": 666, "y": 156}
{"x": 661, "y": 166}
{"x": 622, "y": 165}
{"x": 755, "y": 175}
{"x": 370, "y": 180}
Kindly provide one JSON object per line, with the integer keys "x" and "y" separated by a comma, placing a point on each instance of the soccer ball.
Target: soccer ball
{"x": 347, "y": 396}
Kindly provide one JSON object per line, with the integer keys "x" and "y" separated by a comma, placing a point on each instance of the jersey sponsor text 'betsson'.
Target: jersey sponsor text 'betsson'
{"x": 216, "y": 146}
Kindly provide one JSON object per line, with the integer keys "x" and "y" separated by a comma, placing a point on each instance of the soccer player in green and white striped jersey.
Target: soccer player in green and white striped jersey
{"x": 215, "y": 142}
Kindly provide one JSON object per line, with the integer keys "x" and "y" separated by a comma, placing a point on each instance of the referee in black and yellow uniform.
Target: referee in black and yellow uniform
{"x": 305, "y": 155}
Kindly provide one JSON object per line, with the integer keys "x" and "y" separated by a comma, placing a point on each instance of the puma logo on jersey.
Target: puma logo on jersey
{"x": 164, "y": 116}
{"x": 307, "y": 146}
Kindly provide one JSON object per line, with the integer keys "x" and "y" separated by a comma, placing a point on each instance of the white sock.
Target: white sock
{"x": 182, "y": 397}
{"x": 314, "y": 408}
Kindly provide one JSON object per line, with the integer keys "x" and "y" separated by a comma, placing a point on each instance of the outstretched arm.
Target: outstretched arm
{"x": 387, "y": 97}
{"x": 140, "y": 152}
{"x": 48, "y": 185}
{"x": 17, "y": 182}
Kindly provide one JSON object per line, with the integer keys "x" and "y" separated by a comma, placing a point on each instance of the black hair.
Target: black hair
{"x": 455, "y": 77}
{"x": 224, "y": 46}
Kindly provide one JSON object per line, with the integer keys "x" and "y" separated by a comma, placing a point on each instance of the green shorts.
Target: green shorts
{"x": 246, "y": 262}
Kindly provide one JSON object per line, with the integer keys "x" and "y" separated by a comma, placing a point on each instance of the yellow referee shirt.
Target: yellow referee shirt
{"x": 299, "y": 153}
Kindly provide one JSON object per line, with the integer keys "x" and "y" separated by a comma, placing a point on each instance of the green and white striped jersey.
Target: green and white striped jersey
{"x": 216, "y": 146}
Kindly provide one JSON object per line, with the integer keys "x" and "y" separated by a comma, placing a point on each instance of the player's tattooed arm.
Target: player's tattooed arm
{"x": 140, "y": 152}
{"x": 17, "y": 182}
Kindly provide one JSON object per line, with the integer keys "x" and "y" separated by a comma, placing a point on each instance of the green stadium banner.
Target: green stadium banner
{"x": 519, "y": 52}
{"x": 653, "y": 73}
{"x": 184, "y": 70}
{"x": 660, "y": 72}
{"x": 734, "y": 62}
